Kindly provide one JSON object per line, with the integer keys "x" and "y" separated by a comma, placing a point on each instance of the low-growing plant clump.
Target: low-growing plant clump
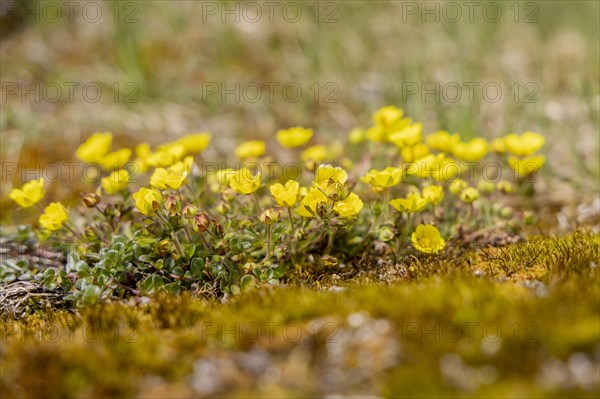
{"x": 166, "y": 220}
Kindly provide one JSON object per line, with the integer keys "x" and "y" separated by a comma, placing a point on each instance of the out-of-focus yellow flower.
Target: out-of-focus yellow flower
{"x": 244, "y": 182}
{"x": 95, "y": 147}
{"x": 412, "y": 203}
{"x": 115, "y": 182}
{"x": 194, "y": 143}
{"x": 427, "y": 239}
{"x": 142, "y": 152}
{"x": 485, "y": 186}
{"x": 285, "y": 195}
{"x": 294, "y": 136}
{"x": 164, "y": 179}
{"x": 408, "y": 136}
{"x": 376, "y": 134}
{"x": 30, "y": 194}
{"x": 316, "y": 153}
{"x": 525, "y": 144}
{"x": 148, "y": 201}
{"x": 472, "y": 151}
{"x": 250, "y": 149}
{"x": 457, "y": 186}
{"x": 438, "y": 167}
{"x": 388, "y": 177}
{"x": 526, "y": 166}
{"x": 357, "y": 136}
{"x": 349, "y": 207}
{"x": 433, "y": 194}
{"x": 504, "y": 186}
{"x": 313, "y": 198}
{"x": 219, "y": 179}
{"x": 327, "y": 174}
{"x": 388, "y": 117}
{"x": 173, "y": 177}
{"x": 414, "y": 153}
{"x": 166, "y": 155}
{"x": 115, "y": 160}
{"x": 497, "y": 145}
{"x": 183, "y": 167}
{"x": 469, "y": 195}
{"x": 54, "y": 217}
{"x": 442, "y": 141}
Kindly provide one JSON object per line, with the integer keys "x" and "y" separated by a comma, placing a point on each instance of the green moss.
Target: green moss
{"x": 420, "y": 331}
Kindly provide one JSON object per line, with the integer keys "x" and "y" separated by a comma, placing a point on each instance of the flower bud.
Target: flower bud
{"x": 223, "y": 208}
{"x": 506, "y": 212}
{"x": 504, "y": 186}
{"x": 228, "y": 194}
{"x": 171, "y": 205}
{"x": 217, "y": 228}
{"x": 269, "y": 216}
{"x": 164, "y": 247}
{"x": 201, "y": 222}
{"x": 385, "y": 233}
{"x": 189, "y": 211}
{"x": 529, "y": 218}
{"x": 485, "y": 186}
{"x": 90, "y": 200}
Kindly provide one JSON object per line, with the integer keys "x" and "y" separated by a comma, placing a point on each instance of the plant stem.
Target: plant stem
{"x": 177, "y": 245}
{"x": 268, "y": 241}
{"x": 256, "y": 202}
{"x": 291, "y": 221}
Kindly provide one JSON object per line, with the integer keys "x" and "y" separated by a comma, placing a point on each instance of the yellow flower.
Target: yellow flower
{"x": 357, "y": 136}
{"x": 442, "y": 141}
{"x": 244, "y": 182}
{"x": 54, "y": 217}
{"x": 408, "y": 136}
{"x": 166, "y": 155}
{"x": 457, "y": 186}
{"x": 473, "y": 151}
{"x": 526, "y": 166}
{"x": 174, "y": 176}
{"x": 525, "y": 144}
{"x": 427, "y": 239}
{"x": 95, "y": 147}
{"x": 115, "y": 182}
{"x": 388, "y": 177}
{"x": 285, "y": 195}
{"x": 142, "y": 152}
{"x": 250, "y": 149}
{"x": 194, "y": 143}
{"x": 327, "y": 174}
{"x": 147, "y": 201}
{"x": 388, "y": 117}
{"x": 414, "y": 153}
{"x": 410, "y": 204}
{"x": 498, "y": 146}
{"x": 219, "y": 179}
{"x": 30, "y": 194}
{"x": 376, "y": 134}
{"x": 313, "y": 198}
{"x": 294, "y": 136}
{"x": 183, "y": 167}
{"x": 115, "y": 160}
{"x": 469, "y": 195}
{"x": 349, "y": 207}
{"x": 433, "y": 194}
{"x": 316, "y": 153}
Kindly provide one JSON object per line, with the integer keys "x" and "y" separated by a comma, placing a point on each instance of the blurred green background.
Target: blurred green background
{"x": 163, "y": 68}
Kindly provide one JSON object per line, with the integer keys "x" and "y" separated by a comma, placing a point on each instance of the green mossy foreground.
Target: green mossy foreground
{"x": 518, "y": 321}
